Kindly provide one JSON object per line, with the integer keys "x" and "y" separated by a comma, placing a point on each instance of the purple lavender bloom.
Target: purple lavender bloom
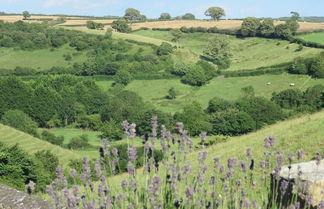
{"x": 243, "y": 166}
{"x": 321, "y": 205}
{"x": 290, "y": 157}
{"x": 277, "y": 172}
{"x": 283, "y": 187}
{"x": 229, "y": 174}
{"x": 124, "y": 184}
{"x": 231, "y": 162}
{"x": 131, "y": 169}
{"x": 179, "y": 127}
{"x": 280, "y": 160}
{"x": 132, "y": 131}
{"x": 132, "y": 154}
{"x": 125, "y": 125}
{"x": 202, "y": 156}
{"x": 300, "y": 154}
{"x": 75, "y": 190}
{"x": 254, "y": 204}
{"x": 203, "y": 136}
{"x": 249, "y": 153}
{"x": 73, "y": 173}
{"x": 221, "y": 169}
{"x": 309, "y": 200}
{"x": 98, "y": 169}
{"x": 212, "y": 180}
{"x": 114, "y": 151}
{"x": 216, "y": 162}
{"x": 318, "y": 158}
{"x": 105, "y": 144}
{"x": 243, "y": 193}
{"x": 189, "y": 192}
{"x": 246, "y": 203}
{"x": 269, "y": 141}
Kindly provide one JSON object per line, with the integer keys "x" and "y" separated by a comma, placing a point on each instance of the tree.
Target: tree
{"x": 165, "y": 16}
{"x": 267, "y": 27}
{"x": 123, "y": 77}
{"x": 179, "y": 69}
{"x": 250, "y": 26}
{"x": 317, "y": 68}
{"x": 91, "y": 24}
{"x": 295, "y": 15}
{"x": 20, "y": 121}
{"x": 282, "y": 31}
{"x": 79, "y": 142}
{"x": 172, "y": 93}
{"x": 26, "y": 15}
{"x": 231, "y": 122}
{"x": 298, "y": 66}
{"x": 194, "y": 119}
{"x": 188, "y": 16}
{"x": 218, "y": 105}
{"x": 121, "y": 26}
{"x": 132, "y": 14}
{"x": 292, "y": 25}
{"x": 176, "y": 34}
{"x": 109, "y": 33}
{"x": 112, "y": 130}
{"x": 195, "y": 76}
{"x": 215, "y": 12}
{"x": 218, "y": 51}
{"x": 164, "y": 49}
{"x": 290, "y": 98}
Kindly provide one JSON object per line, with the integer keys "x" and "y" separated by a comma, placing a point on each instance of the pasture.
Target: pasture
{"x": 10, "y": 136}
{"x": 313, "y": 37}
{"x": 247, "y": 53}
{"x": 41, "y": 59}
{"x": 155, "y": 91}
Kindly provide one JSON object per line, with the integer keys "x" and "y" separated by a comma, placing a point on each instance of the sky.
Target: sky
{"x": 153, "y": 8}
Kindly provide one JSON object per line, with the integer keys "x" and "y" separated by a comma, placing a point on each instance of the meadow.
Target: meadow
{"x": 10, "y": 136}
{"x": 313, "y": 37}
{"x": 247, "y": 53}
{"x": 155, "y": 91}
{"x": 42, "y": 59}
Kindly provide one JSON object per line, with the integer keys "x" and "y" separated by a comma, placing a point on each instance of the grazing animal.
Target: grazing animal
{"x": 269, "y": 83}
{"x": 292, "y": 84}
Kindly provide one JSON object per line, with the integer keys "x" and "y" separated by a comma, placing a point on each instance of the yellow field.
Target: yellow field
{"x": 14, "y": 18}
{"x": 84, "y": 21}
{"x": 222, "y": 24}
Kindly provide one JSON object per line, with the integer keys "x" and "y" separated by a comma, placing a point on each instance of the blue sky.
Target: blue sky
{"x": 152, "y": 8}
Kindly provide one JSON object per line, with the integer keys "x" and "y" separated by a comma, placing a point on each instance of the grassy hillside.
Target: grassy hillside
{"x": 301, "y": 133}
{"x": 30, "y": 144}
{"x": 313, "y": 37}
{"x": 155, "y": 91}
{"x": 247, "y": 53}
{"x": 38, "y": 59}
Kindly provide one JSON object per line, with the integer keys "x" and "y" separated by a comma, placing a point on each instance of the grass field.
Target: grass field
{"x": 313, "y": 37}
{"x": 31, "y": 145}
{"x": 247, "y": 53}
{"x": 38, "y": 59}
{"x": 155, "y": 91}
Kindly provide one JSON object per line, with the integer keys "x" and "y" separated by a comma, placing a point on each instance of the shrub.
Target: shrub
{"x": 218, "y": 104}
{"x": 80, "y": 142}
{"x": 180, "y": 69}
{"x": 20, "y": 121}
{"x": 290, "y": 98}
{"x": 123, "y": 77}
{"x": 195, "y": 76}
{"x": 51, "y": 138}
{"x": 231, "y": 122}
{"x": 164, "y": 49}
{"x": 172, "y": 93}
{"x": 121, "y": 26}
{"x": 111, "y": 130}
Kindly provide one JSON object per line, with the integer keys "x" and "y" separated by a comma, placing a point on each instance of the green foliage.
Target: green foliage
{"x": 51, "y": 138}
{"x": 18, "y": 168}
{"x": 123, "y": 77}
{"x": 248, "y": 91}
{"x": 132, "y": 14}
{"x": 164, "y": 49}
{"x": 49, "y": 161}
{"x": 250, "y": 26}
{"x": 218, "y": 51}
{"x": 92, "y": 122}
{"x": 215, "y": 12}
{"x": 188, "y": 16}
{"x": 80, "y": 142}
{"x": 180, "y": 69}
{"x": 218, "y": 105}
{"x": 317, "y": 68}
{"x": 177, "y": 34}
{"x": 231, "y": 122}
{"x": 298, "y": 66}
{"x": 26, "y": 15}
{"x": 194, "y": 119}
{"x": 165, "y": 16}
{"x": 19, "y": 120}
{"x": 121, "y": 26}
{"x": 195, "y": 76}
{"x": 172, "y": 94}
{"x": 282, "y": 31}
{"x": 267, "y": 27}
{"x": 260, "y": 109}
{"x": 112, "y": 130}
{"x": 311, "y": 66}
{"x": 290, "y": 98}
{"x": 94, "y": 25}
{"x": 292, "y": 25}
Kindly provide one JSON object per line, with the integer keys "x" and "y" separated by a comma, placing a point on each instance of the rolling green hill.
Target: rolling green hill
{"x": 10, "y": 136}
{"x": 313, "y": 37}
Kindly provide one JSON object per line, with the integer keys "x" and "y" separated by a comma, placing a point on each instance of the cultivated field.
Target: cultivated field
{"x": 31, "y": 145}
{"x": 84, "y": 22}
{"x": 313, "y": 37}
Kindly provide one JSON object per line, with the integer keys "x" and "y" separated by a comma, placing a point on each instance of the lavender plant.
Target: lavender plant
{"x": 174, "y": 182}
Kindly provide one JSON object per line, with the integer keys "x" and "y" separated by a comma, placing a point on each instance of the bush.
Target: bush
{"x": 121, "y": 26}
{"x": 123, "y": 77}
{"x": 290, "y": 98}
{"x": 20, "y": 121}
{"x": 112, "y": 130}
{"x": 51, "y": 138}
{"x": 80, "y": 142}
{"x": 231, "y": 122}
{"x": 218, "y": 104}
{"x": 180, "y": 69}
{"x": 164, "y": 49}
{"x": 195, "y": 76}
